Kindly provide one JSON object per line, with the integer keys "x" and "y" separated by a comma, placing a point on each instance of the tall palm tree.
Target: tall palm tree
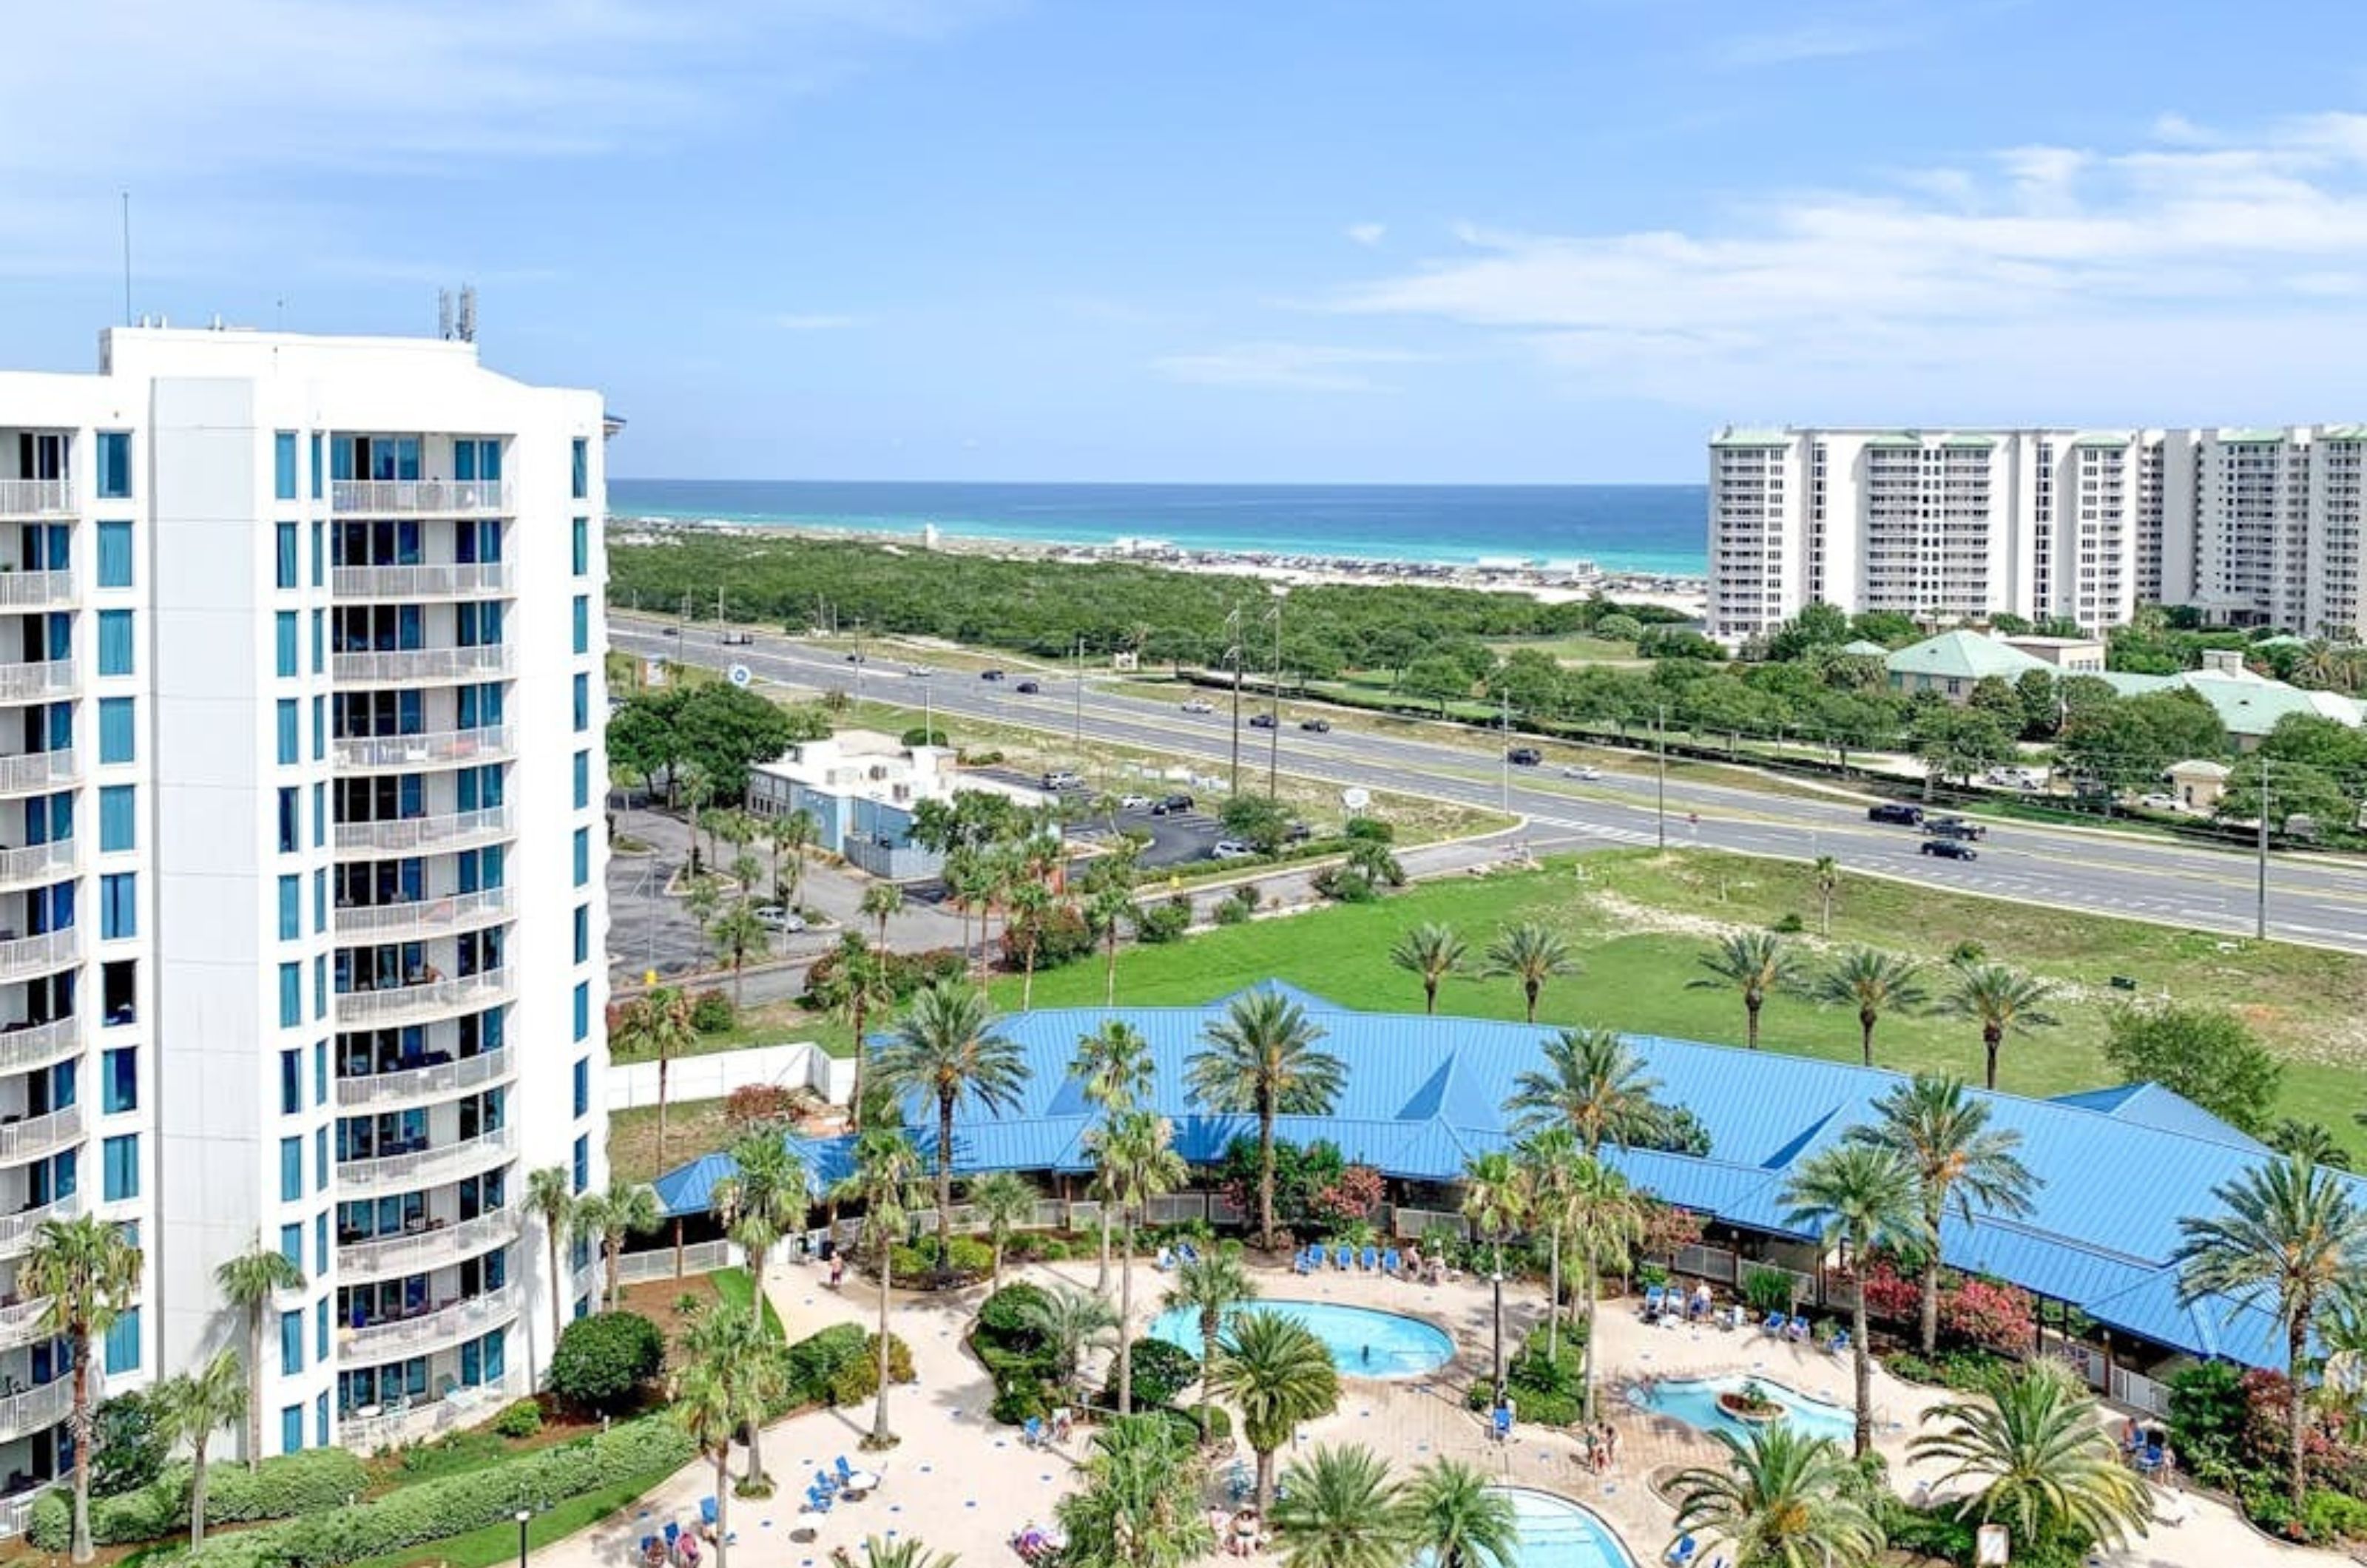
{"x": 1759, "y": 964}
{"x": 706, "y": 1400}
{"x": 1339, "y": 1509}
{"x": 1106, "y": 910}
{"x": 1030, "y": 904}
{"x": 736, "y": 933}
{"x": 790, "y": 835}
{"x": 550, "y": 1198}
{"x": 1112, "y": 1066}
{"x": 1140, "y": 1507}
{"x": 946, "y": 1048}
{"x": 1278, "y": 1374}
{"x": 1548, "y": 1164}
{"x": 754, "y": 1365}
{"x": 1433, "y": 950}
{"x": 767, "y": 1199}
{"x": 655, "y": 1024}
{"x": 904, "y": 1552}
{"x": 193, "y": 1407}
{"x": 886, "y": 1164}
{"x": 1458, "y": 1519}
{"x": 1943, "y": 1136}
{"x": 1137, "y": 1155}
{"x": 2003, "y": 1001}
{"x": 1530, "y": 954}
{"x": 1593, "y": 1083}
{"x": 858, "y": 987}
{"x": 1782, "y": 1500}
{"x": 1606, "y": 1219}
{"x": 628, "y": 1209}
{"x": 1872, "y": 983}
{"x": 882, "y": 901}
{"x": 1261, "y": 1060}
{"x": 2291, "y": 1229}
{"x": 88, "y": 1271}
{"x": 1006, "y": 1202}
{"x": 1070, "y": 1322}
{"x": 2044, "y": 1463}
{"x": 1210, "y": 1285}
{"x": 1493, "y": 1202}
{"x": 248, "y": 1282}
{"x": 1827, "y": 873}
{"x": 1859, "y": 1197}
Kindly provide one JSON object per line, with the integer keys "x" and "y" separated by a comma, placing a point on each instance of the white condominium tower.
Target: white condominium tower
{"x": 2251, "y": 527}
{"x": 300, "y": 899}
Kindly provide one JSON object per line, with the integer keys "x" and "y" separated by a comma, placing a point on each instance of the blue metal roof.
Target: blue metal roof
{"x": 2117, "y": 1167}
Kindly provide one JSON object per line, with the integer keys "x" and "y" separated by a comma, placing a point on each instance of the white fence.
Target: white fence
{"x": 803, "y": 1066}
{"x": 658, "y": 1263}
{"x": 2140, "y": 1392}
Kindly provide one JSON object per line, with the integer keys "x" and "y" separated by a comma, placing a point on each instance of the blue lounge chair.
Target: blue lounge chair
{"x": 1682, "y": 1554}
{"x": 1372, "y": 1259}
{"x": 1390, "y": 1260}
{"x": 1839, "y": 1343}
{"x": 817, "y": 1500}
{"x": 1031, "y": 1433}
{"x": 845, "y": 1469}
{"x": 1655, "y": 1298}
{"x": 1188, "y": 1252}
{"x": 1500, "y": 1422}
{"x": 706, "y": 1512}
{"x": 2149, "y": 1462}
{"x": 672, "y": 1536}
{"x": 1773, "y": 1326}
{"x": 1344, "y": 1254}
{"x": 1799, "y": 1330}
{"x": 826, "y": 1484}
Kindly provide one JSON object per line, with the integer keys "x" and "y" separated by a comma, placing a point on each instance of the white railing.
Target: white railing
{"x": 35, "y": 498}
{"x": 1414, "y": 1223}
{"x": 16, "y": 1230}
{"x": 36, "y": 1045}
{"x": 411, "y": 834}
{"x": 658, "y": 1263}
{"x": 37, "y": 770}
{"x": 423, "y": 1251}
{"x": 449, "y": 1162}
{"x": 429, "y": 1418}
{"x": 490, "y": 743}
{"x": 23, "y": 1323}
{"x": 415, "y": 496}
{"x": 410, "y": 1004}
{"x": 25, "y": 589}
{"x": 421, "y": 1083}
{"x": 424, "y": 916}
{"x": 2140, "y": 1392}
{"x": 453, "y": 581}
{"x": 16, "y": 1513}
{"x": 34, "y": 1137}
{"x": 27, "y": 683}
{"x": 36, "y": 1408}
{"x": 422, "y": 663}
{"x": 22, "y": 956}
{"x": 37, "y": 859}
{"x": 430, "y": 1331}
{"x": 1704, "y": 1263}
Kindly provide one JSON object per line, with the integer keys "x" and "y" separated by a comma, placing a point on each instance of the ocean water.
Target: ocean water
{"x": 1659, "y": 529}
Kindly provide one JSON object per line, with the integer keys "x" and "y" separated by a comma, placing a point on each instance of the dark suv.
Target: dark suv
{"x": 1524, "y": 756}
{"x": 1950, "y": 849}
{"x": 1173, "y": 805}
{"x": 1954, "y": 828}
{"x": 1896, "y": 811}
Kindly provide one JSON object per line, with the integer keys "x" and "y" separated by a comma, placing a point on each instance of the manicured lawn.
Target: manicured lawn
{"x": 693, "y": 1128}
{"x": 1576, "y": 649}
{"x": 737, "y": 1290}
{"x": 1639, "y": 922}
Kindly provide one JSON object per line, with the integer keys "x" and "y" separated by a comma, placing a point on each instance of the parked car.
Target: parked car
{"x": 1260, "y": 721}
{"x": 1950, "y": 849}
{"x": 1524, "y": 756}
{"x": 919, "y": 669}
{"x": 1134, "y": 803}
{"x": 1316, "y": 725}
{"x": 735, "y": 639}
{"x": 1198, "y": 704}
{"x": 774, "y": 918}
{"x": 1298, "y": 834}
{"x": 1582, "y": 771}
{"x": 1896, "y": 811}
{"x": 855, "y": 657}
{"x": 1954, "y": 828}
{"x": 1029, "y": 688}
{"x": 989, "y": 674}
{"x": 1061, "y": 778}
{"x": 1232, "y": 848}
{"x": 670, "y": 631}
{"x": 1173, "y": 805}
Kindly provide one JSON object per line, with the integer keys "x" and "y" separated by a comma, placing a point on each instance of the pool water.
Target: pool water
{"x": 1558, "y": 1533}
{"x": 1364, "y": 1343}
{"x": 1695, "y": 1403}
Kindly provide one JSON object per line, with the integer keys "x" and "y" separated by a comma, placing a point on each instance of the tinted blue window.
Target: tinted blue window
{"x": 292, "y": 995}
{"x": 119, "y": 1079}
{"x": 320, "y": 644}
{"x": 320, "y": 988}
{"x": 283, "y": 465}
{"x": 320, "y": 1072}
{"x": 291, "y": 907}
{"x": 287, "y": 726}
{"x": 119, "y": 820}
{"x": 581, "y": 1167}
{"x": 320, "y": 1160}
{"x": 291, "y": 1343}
{"x": 292, "y": 1429}
{"x": 319, "y": 729}
{"x": 320, "y": 1243}
{"x": 291, "y": 1170}
{"x": 320, "y": 561}
{"x": 582, "y": 624}
{"x": 120, "y": 1167}
{"x": 583, "y": 1085}
{"x": 582, "y": 538}
{"x": 284, "y": 562}
{"x": 115, "y": 642}
{"x": 291, "y": 1244}
{"x": 583, "y": 703}
{"x": 321, "y": 1342}
{"x": 579, "y": 478}
{"x": 115, "y": 555}
{"x": 291, "y": 1082}
{"x": 320, "y": 903}
{"x": 123, "y": 1342}
{"x": 583, "y": 856}
{"x": 115, "y": 733}
{"x": 283, "y": 625}
{"x": 287, "y": 821}
{"x": 113, "y": 465}
{"x": 583, "y": 933}
{"x": 118, "y": 905}
{"x": 316, "y": 495}
{"x": 320, "y": 816}
{"x": 583, "y": 780}
{"x": 582, "y": 1011}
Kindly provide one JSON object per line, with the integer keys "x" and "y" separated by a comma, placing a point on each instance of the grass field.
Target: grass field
{"x": 1639, "y": 922}
{"x": 1575, "y": 648}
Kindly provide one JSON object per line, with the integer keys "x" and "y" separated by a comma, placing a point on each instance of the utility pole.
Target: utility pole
{"x": 1079, "y": 740}
{"x": 1233, "y": 626}
{"x": 1660, "y": 734}
{"x": 2260, "y": 908}
{"x": 1274, "y": 736}
{"x": 1505, "y": 749}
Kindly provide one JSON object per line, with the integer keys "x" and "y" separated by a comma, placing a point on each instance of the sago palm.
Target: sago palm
{"x": 904, "y": 1552}
{"x": 1138, "y": 1162}
{"x": 248, "y": 1282}
{"x": 1337, "y": 1508}
{"x": 1871, "y": 983}
{"x": 88, "y": 1272}
{"x": 944, "y": 1051}
{"x": 1433, "y": 952}
{"x": 1459, "y": 1520}
{"x": 1782, "y": 1500}
{"x": 1070, "y": 1322}
{"x": 1759, "y": 964}
{"x": 1593, "y": 1083}
{"x": 1140, "y": 1505}
{"x": 1208, "y": 1286}
{"x": 1858, "y": 1197}
{"x": 1261, "y": 1060}
{"x": 1530, "y": 954}
{"x": 2041, "y": 1461}
{"x": 1005, "y": 1202}
{"x": 2002, "y": 1002}
{"x": 1494, "y": 1200}
{"x": 192, "y": 1407}
{"x": 1112, "y": 1066}
{"x": 1278, "y": 1374}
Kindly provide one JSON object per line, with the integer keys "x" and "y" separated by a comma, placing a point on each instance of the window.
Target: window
{"x": 291, "y": 906}
{"x": 284, "y": 568}
{"x": 320, "y": 556}
{"x": 291, "y": 1082}
{"x": 291, "y": 1170}
{"x": 583, "y": 623}
{"x": 292, "y": 1429}
{"x": 582, "y": 703}
{"x": 287, "y": 821}
{"x": 291, "y": 1343}
{"x": 319, "y": 729}
{"x": 119, "y": 1168}
{"x": 580, "y": 1170}
{"x": 119, "y": 1081}
{"x": 320, "y": 1160}
{"x": 118, "y": 906}
{"x": 113, "y": 465}
{"x": 283, "y": 625}
{"x": 288, "y": 747}
{"x": 579, "y": 478}
{"x": 283, "y": 465}
{"x": 320, "y": 902}
{"x": 320, "y": 987}
{"x": 115, "y": 555}
{"x": 321, "y": 1242}
{"x": 320, "y": 1350}
{"x": 582, "y": 535}
{"x": 123, "y": 1342}
{"x": 583, "y": 1085}
{"x": 583, "y": 856}
{"x": 292, "y": 995}
{"x": 316, "y": 495}
{"x": 119, "y": 822}
{"x": 115, "y": 642}
{"x": 320, "y": 1072}
{"x": 583, "y": 933}
{"x": 291, "y": 1244}
{"x": 582, "y": 1011}
{"x": 320, "y": 816}
{"x": 320, "y": 644}
{"x": 583, "y": 780}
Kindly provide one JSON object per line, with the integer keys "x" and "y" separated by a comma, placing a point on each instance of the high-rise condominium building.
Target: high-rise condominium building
{"x": 301, "y": 905}
{"x": 2252, "y": 527}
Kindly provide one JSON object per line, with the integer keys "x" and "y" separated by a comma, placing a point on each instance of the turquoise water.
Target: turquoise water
{"x": 1558, "y": 1533}
{"x": 1695, "y": 1403}
{"x": 1364, "y": 1343}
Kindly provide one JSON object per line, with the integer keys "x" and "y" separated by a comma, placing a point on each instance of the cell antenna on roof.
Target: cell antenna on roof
{"x": 466, "y": 324}
{"x": 444, "y": 315}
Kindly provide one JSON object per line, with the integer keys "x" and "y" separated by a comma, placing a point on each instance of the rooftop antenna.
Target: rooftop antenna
{"x": 444, "y": 314}
{"x": 466, "y": 324}
{"x": 127, "y": 258}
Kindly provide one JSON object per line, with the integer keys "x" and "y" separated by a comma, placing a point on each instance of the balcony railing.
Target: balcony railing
{"x": 453, "y": 579}
{"x": 425, "y": 1002}
{"x": 35, "y": 590}
{"x": 417, "y": 498}
{"x": 32, "y": 1137}
{"x": 490, "y": 743}
{"x": 39, "y": 1045}
{"x": 36, "y": 863}
{"x": 16, "y": 1230}
{"x": 420, "y": 664}
{"x": 31, "y": 1411}
{"x": 23, "y": 957}
{"x": 429, "y": 1331}
{"x": 422, "y": 1250}
{"x": 414, "y": 1421}
{"x": 424, "y": 1166}
{"x": 35, "y": 498}
{"x": 424, "y": 916}
{"x": 34, "y": 771}
{"x": 21, "y": 1323}
{"x": 409, "y": 835}
{"x": 425, "y": 1083}
{"x": 32, "y": 682}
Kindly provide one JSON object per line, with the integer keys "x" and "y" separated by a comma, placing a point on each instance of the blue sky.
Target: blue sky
{"x": 1279, "y": 239}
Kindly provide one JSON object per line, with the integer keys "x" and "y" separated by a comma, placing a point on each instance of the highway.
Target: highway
{"x": 2320, "y": 902}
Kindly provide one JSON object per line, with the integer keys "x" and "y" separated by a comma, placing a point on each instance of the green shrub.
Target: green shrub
{"x": 1215, "y": 1423}
{"x": 281, "y": 1488}
{"x": 970, "y": 1259}
{"x": 1789, "y": 925}
{"x": 1162, "y": 1371}
{"x": 128, "y": 1448}
{"x": 1371, "y": 828}
{"x": 451, "y": 1453}
{"x": 1164, "y": 921}
{"x": 603, "y": 1360}
{"x": 520, "y": 1419}
{"x": 815, "y": 1360}
{"x": 1002, "y": 1317}
{"x": 1545, "y": 1388}
{"x": 916, "y": 735}
{"x": 1229, "y": 911}
{"x": 1767, "y": 1290}
{"x": 858, "y": 1378}
{"x": 1018, "y": 1401}
{"x": 2331, "y": 1516}
{"x": 1967, "y": 1372}
{"x": 711, "y": 1012}
{"x": 2207, "y": 1411}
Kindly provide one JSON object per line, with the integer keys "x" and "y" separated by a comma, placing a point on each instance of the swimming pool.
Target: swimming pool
{"x": 1694, "y": 1402}
{"x": 1364, "y": 1342}
{"x": 1558, "y": 1533}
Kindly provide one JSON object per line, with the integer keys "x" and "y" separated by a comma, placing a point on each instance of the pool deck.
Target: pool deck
{"x": 966, "y": 1485}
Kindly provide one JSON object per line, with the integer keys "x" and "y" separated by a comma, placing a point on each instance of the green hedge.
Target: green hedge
{"x": 435, "y": 1509}
{"x": 282, "y": 1488}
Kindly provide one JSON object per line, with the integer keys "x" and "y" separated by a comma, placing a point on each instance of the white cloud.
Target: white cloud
{"x": 1291, "y": 366}
{"x": 1367, "y": 233}
{"x": 1812, "y": 40}
{"x": 816, "y": 323}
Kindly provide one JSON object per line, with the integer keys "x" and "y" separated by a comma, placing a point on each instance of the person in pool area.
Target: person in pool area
{"x": 1369, "y": 1355}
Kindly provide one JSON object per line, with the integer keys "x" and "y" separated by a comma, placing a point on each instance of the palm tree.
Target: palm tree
{"x": 626, "y": 1209}
{"x": 1210, "y": 1285}
{"x": 1278, "y": 1374}
{"x": 1943, "y": 1137}
{"x": 1140, "y": 1507}
{"x": 1757, "y": 964}
{"x": 1029, "y": 903}
{"x": 1532, "y": 954}
{"x": 194, "y": 1406}
{"x": 248, "y": 1282}
{"x": 858, "y": 986}
{"x": 2290, "y": 1228}
{"x": 706, "y": 1400}
{"x": 1105, "y": 913}
{"x": 736, "y": 934}
{"x": 885, "y": 1166}
{"x": 655, "y": 1024}
{"x": 2003, "y": 1001}
{"x": 1593, "y": 1083}
{"x": 1433, "y": 952}
{"x": 790, "y": 835}
{"x": 754, "y": 1366}
{"x": 767, "y": 1199}
{"x": 2312, "y": 1141}
{"x": 1138, "y": 1162}
{"x": 1873, "y": 983}
{"x": 1493, "y": 1202}
{"x": 1070, "y": 1322}
{"x": 1261, "y": 1060}
{"x": 1455, "y": 1516}
{"x": 550, "y": 1198}
{"x": 1546, "y": 1165}
{"x": 1112, "y": 1066}
{"x": 947, "y": 1048}
{"x": 1828, "y": 871}
{"x": 2046, "y": 1466}
{"x": 1606, "y": 1219}
{"x": 88, "y": 1271}
{"x": 1006, "y": 1202}
{"x": 904, "y": 1552}
{"x": 1859, "y": 1197}
{"x": 1781, "y": 1498}
{"x": 882, "y": 901}
{"x": 1339, "y": 1509}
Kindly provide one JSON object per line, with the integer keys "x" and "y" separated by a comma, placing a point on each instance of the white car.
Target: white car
{"x": 1198, "y": 706}
{"x": 774, "y": 918}
{"x": 1134, "y": 803}
{"x": 1232, "y": 848}
{"x": 1582, "y": 771}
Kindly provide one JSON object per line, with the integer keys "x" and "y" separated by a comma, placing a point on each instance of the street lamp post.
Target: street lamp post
{"x": 1079, "y": 740}
{"x": 524, "y": 1517}
{"x": 1234, "y": 629}
{"x": 1660, "y": 734}
{"x": 1505, "y": 749}
{"x": 1273, "y": 736}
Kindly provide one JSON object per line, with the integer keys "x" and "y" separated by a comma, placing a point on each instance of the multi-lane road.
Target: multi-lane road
{"x": 2320, "y": 901}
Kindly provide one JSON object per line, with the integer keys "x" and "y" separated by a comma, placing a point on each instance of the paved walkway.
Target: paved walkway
{"x": 965, "y": 1484}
